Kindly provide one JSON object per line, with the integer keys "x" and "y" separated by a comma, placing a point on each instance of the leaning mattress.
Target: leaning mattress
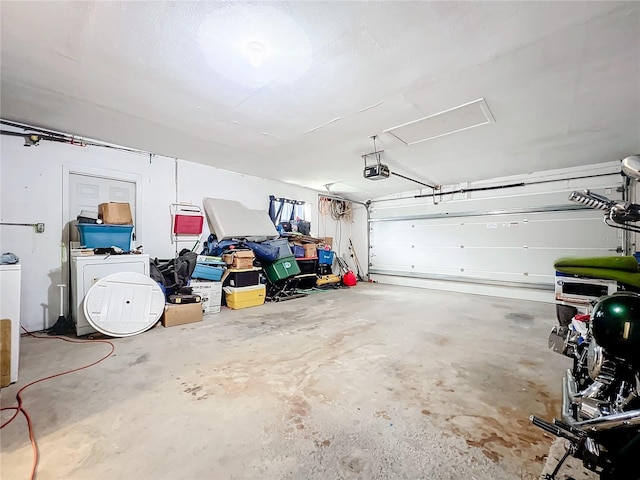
{"x": 229, "y": 219}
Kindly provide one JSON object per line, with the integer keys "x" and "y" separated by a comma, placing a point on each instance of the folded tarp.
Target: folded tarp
{"x": 229, "y": 219}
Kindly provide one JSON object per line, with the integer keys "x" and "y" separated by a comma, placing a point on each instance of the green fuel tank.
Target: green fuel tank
{"x": 615, "y": 324}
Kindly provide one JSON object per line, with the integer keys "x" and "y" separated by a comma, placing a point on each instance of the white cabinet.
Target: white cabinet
{"x": 10, "y": 277}
{"x": 85, "y": 271}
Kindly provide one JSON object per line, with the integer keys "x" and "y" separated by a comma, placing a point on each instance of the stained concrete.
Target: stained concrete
{"x": 572, "y": 468}
{"x": 371, "y": 382}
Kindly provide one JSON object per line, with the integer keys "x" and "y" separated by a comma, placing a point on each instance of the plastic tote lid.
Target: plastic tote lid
{"x": 124, "y": 304}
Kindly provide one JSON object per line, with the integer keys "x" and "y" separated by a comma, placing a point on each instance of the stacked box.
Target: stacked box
{"x": 310, "y": 250}
{"x": 181, "y": 314}
{"x": 304, "y": 250}
{"x": 241, "y": 259}
{"x": 210, "y": 293}
{"x": 116, "y": 213}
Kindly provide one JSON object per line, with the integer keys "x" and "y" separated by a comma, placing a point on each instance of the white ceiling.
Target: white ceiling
{"x": 562, "y": 80}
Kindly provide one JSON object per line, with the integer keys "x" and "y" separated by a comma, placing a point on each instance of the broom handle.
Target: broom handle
{"x": 61, "y": 287}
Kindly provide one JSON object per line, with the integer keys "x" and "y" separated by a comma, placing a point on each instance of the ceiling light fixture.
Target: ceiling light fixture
{"x": 253, "y": 44}
{"x": 255, "y": 52}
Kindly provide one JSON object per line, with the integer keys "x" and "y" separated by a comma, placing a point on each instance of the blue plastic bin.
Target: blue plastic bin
{"x": 284, "y": 250}
{"x": 207, "y": 272}
{"x": 298, "y": 251}
{"x": 105, "y": 236}
{"x": 325, "y": 257}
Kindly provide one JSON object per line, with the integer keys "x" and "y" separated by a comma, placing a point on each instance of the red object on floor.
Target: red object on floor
{"x": 349, "y": 279}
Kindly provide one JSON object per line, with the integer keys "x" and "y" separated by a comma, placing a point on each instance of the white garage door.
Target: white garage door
{"x": 508, "y": 237}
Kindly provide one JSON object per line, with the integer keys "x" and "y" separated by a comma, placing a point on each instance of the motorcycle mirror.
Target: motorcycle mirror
{"x": 631, "y": 167}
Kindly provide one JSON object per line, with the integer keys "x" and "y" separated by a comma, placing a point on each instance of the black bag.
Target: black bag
{"x": 174, "y": 274}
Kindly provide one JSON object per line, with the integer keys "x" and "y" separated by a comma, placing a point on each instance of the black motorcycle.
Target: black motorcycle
{"x": 601, "y": 392}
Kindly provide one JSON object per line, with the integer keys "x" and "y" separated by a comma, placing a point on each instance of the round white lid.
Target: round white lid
{"x": 123, "y": 304}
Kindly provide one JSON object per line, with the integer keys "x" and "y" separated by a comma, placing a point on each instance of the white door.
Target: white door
{"x": 86, "y": 192}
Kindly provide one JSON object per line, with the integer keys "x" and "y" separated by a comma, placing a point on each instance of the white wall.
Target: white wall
{"x": 196, "y": 181}
{"x": 31, "y": 190}
{"x": 342, "y": 231}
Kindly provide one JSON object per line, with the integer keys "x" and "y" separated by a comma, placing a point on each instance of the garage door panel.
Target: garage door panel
{"x": 582, "y": 229}
{"x": 478, "y": 244}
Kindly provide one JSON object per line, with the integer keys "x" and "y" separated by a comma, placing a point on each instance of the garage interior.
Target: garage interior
{"x": 485, "y": 116}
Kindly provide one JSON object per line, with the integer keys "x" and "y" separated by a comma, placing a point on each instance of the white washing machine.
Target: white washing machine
{"x": 85, "y": 271}
{"x": 10, "y": 278}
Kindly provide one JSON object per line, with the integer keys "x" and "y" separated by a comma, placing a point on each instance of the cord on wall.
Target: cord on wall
{"x": 340, "y": 210}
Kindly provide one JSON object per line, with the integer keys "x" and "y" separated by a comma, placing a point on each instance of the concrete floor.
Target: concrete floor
{"x": 371, "y": 382}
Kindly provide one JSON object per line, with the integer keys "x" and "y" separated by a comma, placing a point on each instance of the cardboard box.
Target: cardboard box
{"x": 180, "y": 314}
{"x": 310, "y": 250}
{"x": 328, "y": 241}
{"x": 5, "y": 352}
{"x": 114, "y": 213}
{"x": 240, "y": 260}
{"x": 211, "y": 294}
{"x": 304, "y": 250}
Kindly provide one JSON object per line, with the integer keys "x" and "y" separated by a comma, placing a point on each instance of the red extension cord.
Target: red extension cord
{"x": 21, "y": 409}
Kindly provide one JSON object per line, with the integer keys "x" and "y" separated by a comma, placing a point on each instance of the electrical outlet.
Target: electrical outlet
{"x": 39, "y": 227}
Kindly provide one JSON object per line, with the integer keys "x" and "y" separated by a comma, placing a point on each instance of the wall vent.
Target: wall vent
{"x": 457, "y": 119}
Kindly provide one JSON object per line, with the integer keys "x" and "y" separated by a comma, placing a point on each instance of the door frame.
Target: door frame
{"x": 135, "y": 178}
{"x": 67, "y": 170}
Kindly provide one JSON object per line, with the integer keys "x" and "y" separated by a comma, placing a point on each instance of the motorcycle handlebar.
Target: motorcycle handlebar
{"x": 591, "y": 200}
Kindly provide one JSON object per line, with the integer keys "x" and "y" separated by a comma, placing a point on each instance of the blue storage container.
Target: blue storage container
{"x": 284, "y": 250}
{"x": 298, "y": 251}
{"x": 207, "y": 272}
{"x": 325, "y": 257}
{"x": 105, "y": 236}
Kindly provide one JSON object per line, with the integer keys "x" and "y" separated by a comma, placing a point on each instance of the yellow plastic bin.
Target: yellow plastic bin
{"x": 244, "y": 297}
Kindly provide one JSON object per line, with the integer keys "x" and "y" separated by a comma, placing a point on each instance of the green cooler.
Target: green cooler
{"x": 282, "y": 269}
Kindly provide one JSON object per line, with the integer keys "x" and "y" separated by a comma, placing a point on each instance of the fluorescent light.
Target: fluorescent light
{"x": 457, "y": 119}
